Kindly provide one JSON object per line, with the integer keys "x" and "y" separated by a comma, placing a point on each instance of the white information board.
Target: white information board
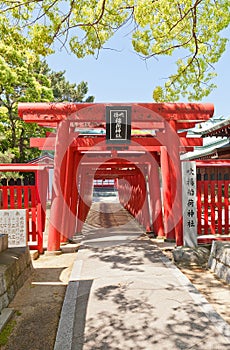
{"x": 189, "y": 203}
{"x": 14, "y": 223}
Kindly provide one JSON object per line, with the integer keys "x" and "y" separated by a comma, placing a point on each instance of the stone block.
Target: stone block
{"x": 220, "y": 270}
{"x": 212, "y": 264}
{"x": 225, "y": 257}
{"x": 23, "y": 277}
{"x": 15, "y": 268}
{"x": 21, "y": 280}
{"x": 3, "y": 287}
{"x": 8, "y": 277}
{"x": 228, "y": 276}
{"x": 22, "y": 263}
{"x": 195, "y": 256}
{"x": 219, "y": 260}
{"x": 4, "y": 301}
{"x": 11, "y": 291}
{"x": 3, "y": 242}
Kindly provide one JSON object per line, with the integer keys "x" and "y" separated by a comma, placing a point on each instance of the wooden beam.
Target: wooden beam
{"x": 97, "y": 143}
{"x": 95, "y": 112}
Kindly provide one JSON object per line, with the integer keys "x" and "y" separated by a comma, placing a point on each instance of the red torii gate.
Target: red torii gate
{"x": 79, "y": 159}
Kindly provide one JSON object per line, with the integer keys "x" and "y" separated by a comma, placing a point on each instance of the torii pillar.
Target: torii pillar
{"x": 155, "y": 197}
{"x": 172, "y": 184}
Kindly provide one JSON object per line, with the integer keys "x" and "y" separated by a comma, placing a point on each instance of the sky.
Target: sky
{"x": 120, "y": 75}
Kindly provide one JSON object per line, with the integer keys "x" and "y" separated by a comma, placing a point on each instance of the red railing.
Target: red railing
{"x": 213, "y": 205}
{"x": 26, "y": 197}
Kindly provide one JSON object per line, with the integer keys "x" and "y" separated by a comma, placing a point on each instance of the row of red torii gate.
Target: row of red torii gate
{"x": 128, "y": 142}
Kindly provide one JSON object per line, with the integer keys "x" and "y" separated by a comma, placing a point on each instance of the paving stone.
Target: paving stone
{"x": 128, "y": 295}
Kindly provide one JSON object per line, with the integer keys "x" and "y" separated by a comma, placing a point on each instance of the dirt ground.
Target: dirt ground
{"x": 215, "y": 291}
{"x": 38, "y": 303}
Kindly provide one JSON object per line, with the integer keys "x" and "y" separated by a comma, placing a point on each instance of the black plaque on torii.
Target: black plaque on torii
{"x": 118, "y": 124}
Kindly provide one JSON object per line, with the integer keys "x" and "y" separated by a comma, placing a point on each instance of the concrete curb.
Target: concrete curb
{"x": 5, "y": 315}
{"x": 66, "y": 324}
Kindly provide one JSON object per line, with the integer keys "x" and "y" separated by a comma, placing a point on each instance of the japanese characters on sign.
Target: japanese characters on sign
{"x": 118, "y": 124}
{"x": 189, "y": 203}
{"x": 14, "y": 223}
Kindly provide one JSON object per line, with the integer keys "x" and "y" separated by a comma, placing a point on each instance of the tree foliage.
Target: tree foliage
{"x": 18, "y": 83}
{"x": 63, "y": 90}
{"x": 189, "y": 29}
{"x": 24, "y": 78}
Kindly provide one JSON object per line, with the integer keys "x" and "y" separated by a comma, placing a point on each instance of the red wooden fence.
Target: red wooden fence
{"x": 213, "y": 205}
{"x": 26, "y": 197}
{"x": 30, "y": 195}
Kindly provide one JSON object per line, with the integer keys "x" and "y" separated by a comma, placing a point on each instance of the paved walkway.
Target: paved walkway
{"x": 125, "y": 294}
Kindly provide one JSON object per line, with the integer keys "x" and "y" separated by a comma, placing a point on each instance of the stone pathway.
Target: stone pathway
{"x": 128, "y": 295}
